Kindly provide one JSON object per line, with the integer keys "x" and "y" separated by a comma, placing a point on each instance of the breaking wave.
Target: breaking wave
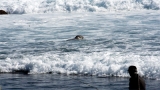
{"x": 51, "y": 6}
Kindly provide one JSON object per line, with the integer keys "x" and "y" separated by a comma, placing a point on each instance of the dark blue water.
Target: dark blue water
{"x": 63, "y": 82}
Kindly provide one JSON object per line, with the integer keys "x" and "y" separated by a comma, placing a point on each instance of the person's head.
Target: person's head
{"x": 132, "y": 70}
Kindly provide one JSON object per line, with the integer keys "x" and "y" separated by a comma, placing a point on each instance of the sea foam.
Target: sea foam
{"x": 96, "y": 63}
{"x": 51, "y": 6}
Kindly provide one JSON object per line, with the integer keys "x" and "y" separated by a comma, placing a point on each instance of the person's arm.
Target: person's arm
{"x": 142, "y": 83}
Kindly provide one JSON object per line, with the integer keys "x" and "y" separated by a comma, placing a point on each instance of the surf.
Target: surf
{"x": 52, "y": 6}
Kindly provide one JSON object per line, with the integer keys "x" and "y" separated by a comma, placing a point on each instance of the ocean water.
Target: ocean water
{"x": 117, "y": 34}
{"x": 62, "y": 82}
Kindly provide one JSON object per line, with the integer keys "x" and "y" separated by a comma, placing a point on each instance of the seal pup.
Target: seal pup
{"x": 77, "y": 37}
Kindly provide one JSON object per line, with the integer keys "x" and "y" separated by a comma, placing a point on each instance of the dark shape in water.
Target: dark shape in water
{"x": 2, "y": 12}
{"x": 135, "y": 82}
{"x": 21, "y": 71}
{"x": 78, "y": 37}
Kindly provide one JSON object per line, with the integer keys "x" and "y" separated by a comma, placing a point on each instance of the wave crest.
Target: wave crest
{"x": 50, "y": 6}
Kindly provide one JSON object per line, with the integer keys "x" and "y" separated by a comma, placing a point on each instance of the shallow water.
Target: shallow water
{"x": 63, "y": 82}
{"x": 113, "y": 41}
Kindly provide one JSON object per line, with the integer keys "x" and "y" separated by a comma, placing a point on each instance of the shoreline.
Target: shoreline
{"x": 67, "y": 82}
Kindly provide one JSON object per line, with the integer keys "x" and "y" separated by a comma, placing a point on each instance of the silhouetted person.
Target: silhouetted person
{"x": 135, "y": 82}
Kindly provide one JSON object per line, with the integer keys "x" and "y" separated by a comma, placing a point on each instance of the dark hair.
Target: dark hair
{"x": 132, "y": 69}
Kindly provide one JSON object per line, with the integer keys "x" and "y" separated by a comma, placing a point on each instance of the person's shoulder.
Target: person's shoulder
{"x": 140, "y": 77}
{"x": 141, "y": 80}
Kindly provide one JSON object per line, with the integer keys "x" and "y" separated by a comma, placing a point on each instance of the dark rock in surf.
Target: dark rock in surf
{"x": 21, "y": 71}
{"x": 2, "y": 12}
